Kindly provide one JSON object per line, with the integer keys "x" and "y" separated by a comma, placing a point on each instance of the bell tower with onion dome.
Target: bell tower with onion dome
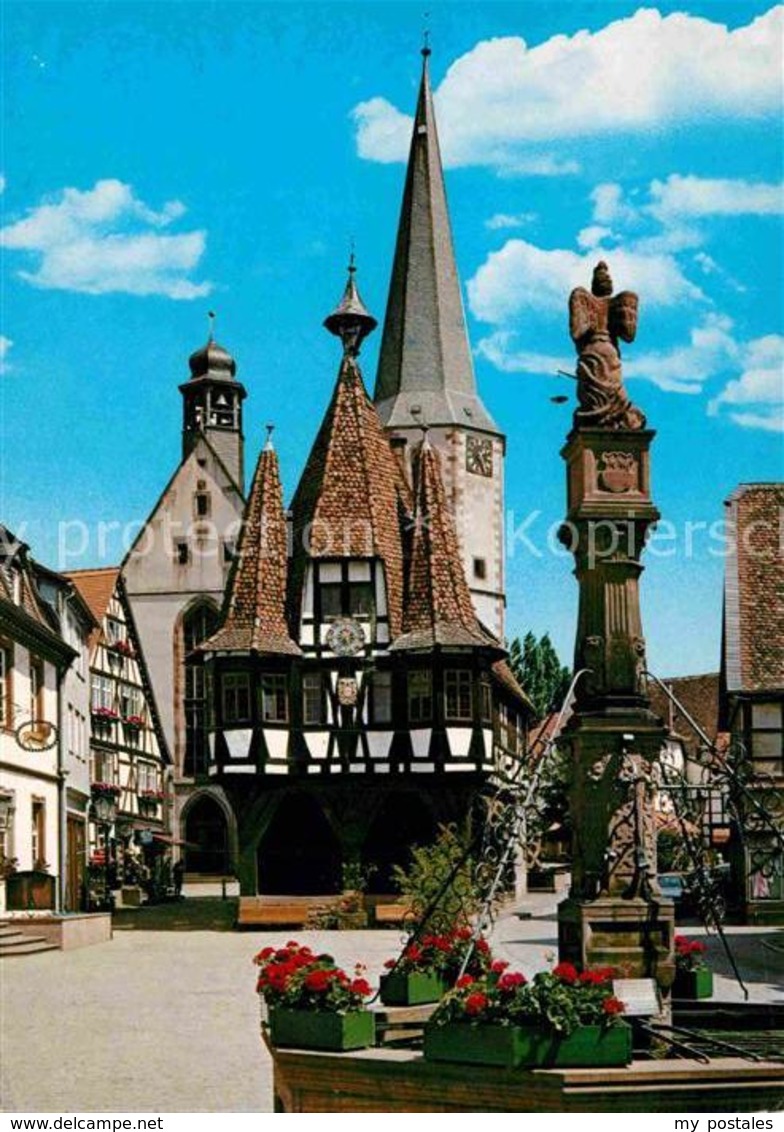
{"x": 212, "y": 406}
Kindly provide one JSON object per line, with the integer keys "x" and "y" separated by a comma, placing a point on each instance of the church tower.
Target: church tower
{"x": 212, "y": 406}
{"x": 426, "y": 377}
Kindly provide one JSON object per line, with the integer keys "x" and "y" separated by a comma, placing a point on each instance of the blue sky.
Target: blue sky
{"x": 163, "y": 159}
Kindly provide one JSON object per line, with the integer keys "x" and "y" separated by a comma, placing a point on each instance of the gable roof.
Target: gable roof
{"x": 438, "y": 609}
{"x": 753, "y": 646}
{"x": 96, "y": 588}
{"x": 255, "y": 610}
{"x": 425, "y": 361}
{"x": 351, "y": 495}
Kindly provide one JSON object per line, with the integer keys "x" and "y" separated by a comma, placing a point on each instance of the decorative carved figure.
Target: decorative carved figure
{"x": 597, "y": 319}
{"x": 617, "y": 472}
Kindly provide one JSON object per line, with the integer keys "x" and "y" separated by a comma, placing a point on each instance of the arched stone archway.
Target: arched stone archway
{"x": 299, "y": 854}
{"x": 402, "y": 821}
{"x": 205, "y": 830}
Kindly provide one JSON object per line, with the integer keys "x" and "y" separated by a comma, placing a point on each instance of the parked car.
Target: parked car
{"x": 673, "y": 886}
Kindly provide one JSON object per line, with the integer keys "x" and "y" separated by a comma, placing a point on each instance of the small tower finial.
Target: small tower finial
{"x": 211, "y": 319}
{"x": 426, "y": 51}
{"x": 350, "y": 320}
{"x": 268, "y": 442}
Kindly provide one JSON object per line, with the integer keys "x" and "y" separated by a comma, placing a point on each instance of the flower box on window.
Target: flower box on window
{"x": 121, "y": 648}
{"x": 103, "y": 717}
{"x": 105, "y": 790}
{"x": 400, "y": 988}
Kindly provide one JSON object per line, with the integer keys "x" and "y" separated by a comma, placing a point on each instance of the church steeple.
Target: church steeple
{"x": 425, "y": 361}
{"x": 426, "y": 376}
{"x": 212, "y": 405}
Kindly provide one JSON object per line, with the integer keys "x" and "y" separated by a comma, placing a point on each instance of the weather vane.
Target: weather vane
{"x": 211, "y": 317}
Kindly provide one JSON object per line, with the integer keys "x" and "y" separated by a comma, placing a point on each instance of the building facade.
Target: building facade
{"x": 129, "y": 762}
{"x": 753, "y": 694}
{"x": 34, "y": 658}
{"x": 174, "y": 576}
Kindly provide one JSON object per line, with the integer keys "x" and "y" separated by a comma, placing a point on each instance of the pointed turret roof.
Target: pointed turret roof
{"x": 425, "y": 358}
{"x": 254, "y": 618}
{"x": 438, "y": 609}
{"x": 352, "y": 492}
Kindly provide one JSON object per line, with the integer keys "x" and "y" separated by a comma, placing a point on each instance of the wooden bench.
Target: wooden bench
{"x": 392, "y": 915}
{"x": 258, "y": 915}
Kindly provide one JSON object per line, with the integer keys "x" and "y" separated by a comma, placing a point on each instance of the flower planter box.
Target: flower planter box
{"x": 310, "y": 1029}
{"x": 589, "y": 1046}
{"x": 411, "y": 989}
{"x": 513, "y": 1046}
{"x": 474, "y": 1045}
{"x": 693, "y": 984}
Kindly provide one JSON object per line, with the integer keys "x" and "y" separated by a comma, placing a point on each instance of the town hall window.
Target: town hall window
{"x": 381, "y": 697}
{"x": 274, "y": 698}
{"x": 312, "y": 698}
{"x": 346, "y": 589}
{"x": 236, "y": 697}
{"x": 36, "y": 688}
{"x": 420, "y": 695}
{"x": 457, "y": 688}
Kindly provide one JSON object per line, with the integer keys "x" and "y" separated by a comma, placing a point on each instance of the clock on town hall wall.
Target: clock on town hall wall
{"x": 479, "y": 456}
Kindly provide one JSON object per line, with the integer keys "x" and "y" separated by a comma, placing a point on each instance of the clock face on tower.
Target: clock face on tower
{"x": 479, "y": 456}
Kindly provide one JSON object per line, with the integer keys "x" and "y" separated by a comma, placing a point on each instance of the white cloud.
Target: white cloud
{"x": 520, "y": 276}
{"x": 760, "y": 387}
{"x": 680, "y": 196}
{"x": 105, "y": 239}
{"x": 5, "y": 346}
{"x": 383, "y": 133}
{"x": 593, "y": 235}
{"x": 510, "y": 220}
{"x": 771, "y": 420}
{"x": 500, "y": 350}
{"x": 685, "y": 369}
{"x": 638, "y": 73}
{"x": 609, "y": 206}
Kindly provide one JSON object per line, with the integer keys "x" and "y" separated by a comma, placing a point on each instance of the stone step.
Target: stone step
{"x": 24, "y": 945}
{"x": 15, "y": 942}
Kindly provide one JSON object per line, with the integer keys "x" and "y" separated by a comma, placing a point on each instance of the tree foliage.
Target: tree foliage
{"x": 539, "y": 672}
{"x": 431, "y": 867}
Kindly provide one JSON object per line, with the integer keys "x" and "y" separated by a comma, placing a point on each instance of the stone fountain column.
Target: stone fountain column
{"x": 614, "y": 914}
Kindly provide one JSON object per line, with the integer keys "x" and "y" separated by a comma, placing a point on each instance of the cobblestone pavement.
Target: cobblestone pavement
{"x": 169, "y": 1021}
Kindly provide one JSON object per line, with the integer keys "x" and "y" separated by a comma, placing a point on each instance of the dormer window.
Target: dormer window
{"x": 201, "y": 504}
{"x": 346, "y": 589}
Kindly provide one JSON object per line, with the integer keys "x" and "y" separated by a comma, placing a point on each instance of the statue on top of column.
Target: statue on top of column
{"x": 597, "y": 319}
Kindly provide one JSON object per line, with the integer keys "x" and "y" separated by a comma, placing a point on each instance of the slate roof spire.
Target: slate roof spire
{"x": 438, "y": 609}
{"x": 255, "y": 613}
{"x": 425, "y": 358}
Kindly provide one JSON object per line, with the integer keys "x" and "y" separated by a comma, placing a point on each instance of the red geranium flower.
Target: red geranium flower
{"x": 498, "y": 966}
{"x": 465, "y": 981}
{"x": 613, "y": 1005}
{"x": 566, "y": 972}
{"x": 511, "y": 981}
{"x": 475, "y": 1003}
{"x": 361, "y": 986}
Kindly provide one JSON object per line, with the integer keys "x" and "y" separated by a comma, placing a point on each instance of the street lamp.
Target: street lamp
{"x": 105, "y": 811}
